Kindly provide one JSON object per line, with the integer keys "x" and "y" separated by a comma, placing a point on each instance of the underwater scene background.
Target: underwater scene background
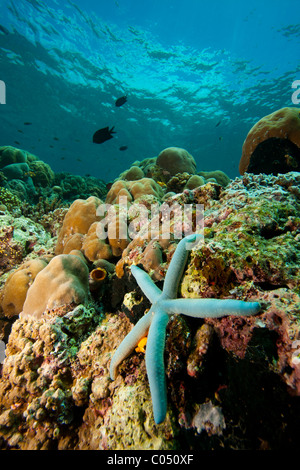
{"x": 149, "y": 226}
{"x": 197, "y": 75}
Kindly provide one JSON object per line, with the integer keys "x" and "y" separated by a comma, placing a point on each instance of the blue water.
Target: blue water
{"x": 185, "y": 66}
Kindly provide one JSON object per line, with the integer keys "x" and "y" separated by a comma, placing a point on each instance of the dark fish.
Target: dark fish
{"x": 16, "y": 142}
{"x": 27, "y": 123}
{"x": 217, "y": 125}
{"x": 21, "y": 132}
{"x": 109, "y": 185}
{"x": 3, "y": 29}
{"x": 55, "y": 138}
{"x": 123, "y": 147}
{"x": 220, "y": 138}
{"x": 121, "y": 101}
{"x": 102, "y": 135}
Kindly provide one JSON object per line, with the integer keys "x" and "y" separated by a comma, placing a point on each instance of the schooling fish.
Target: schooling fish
{"x": 27, "y": 123}
{"x": 123, "y": 147}
{"x": 217, "y": 125}
{"x": 102, "y": 135}
{"x": 121, "y": 101}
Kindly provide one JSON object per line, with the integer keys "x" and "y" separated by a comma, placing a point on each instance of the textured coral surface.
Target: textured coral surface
{"x": 233, "y": 383}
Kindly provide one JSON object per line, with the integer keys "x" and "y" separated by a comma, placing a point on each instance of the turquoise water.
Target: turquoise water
{"x": 197, "y": 75}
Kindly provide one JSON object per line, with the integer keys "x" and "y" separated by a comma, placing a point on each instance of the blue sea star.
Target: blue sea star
{"x": 154, "y": 323}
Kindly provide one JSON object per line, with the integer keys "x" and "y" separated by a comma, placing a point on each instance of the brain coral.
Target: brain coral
{"x": 273, "y": 144}
{"x": 176, "y": 160}
{"x": 65, "y": 280}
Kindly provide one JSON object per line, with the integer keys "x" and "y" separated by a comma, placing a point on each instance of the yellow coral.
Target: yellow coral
{"x": 17, "y": 285}
{"x": 65, "y": 280}
{"x": 141, "y": 345}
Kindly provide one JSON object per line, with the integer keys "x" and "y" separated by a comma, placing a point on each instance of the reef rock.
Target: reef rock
{"x": 233, "y": 383}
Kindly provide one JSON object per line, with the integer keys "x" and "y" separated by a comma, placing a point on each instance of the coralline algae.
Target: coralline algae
{"x": 232, "y": 382}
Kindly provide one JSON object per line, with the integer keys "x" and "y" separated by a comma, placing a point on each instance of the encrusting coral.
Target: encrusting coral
{"x": 154, "y": 323}
{"x": 223, "y": 375}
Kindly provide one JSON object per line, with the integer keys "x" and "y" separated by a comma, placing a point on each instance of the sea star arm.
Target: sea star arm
{"x": 177, "y": 264}
{"x": 214, "y": 308}
{"x": 129, "y": 342}
{"x": 155, "y": 364}
{"x": 146, "y": 284}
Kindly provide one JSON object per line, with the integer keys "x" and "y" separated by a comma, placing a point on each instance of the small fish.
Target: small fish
{"x": 220, "y": 138}
{"x": 27, "y": 123}
{"x": 121, "y": 101}
{"x": 123, "y": 147}
{"x": 55, "y": 138}
{"x": 16, "y": 142}
{"x": 217, "y": 125}
{"x": 102, "y": 135}
{"x": 78, "y": 160}
{"x": 62, "y": 158}
{"x": 21, "y": 132}
{"x": 4, "y": 30}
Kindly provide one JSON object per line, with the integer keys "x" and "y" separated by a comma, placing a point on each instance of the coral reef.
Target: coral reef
{"x": 232, "y": 382}
{"x": 10, "y": 155}
{"x": 273, "y": 144}
{"x": 133, "y": 190}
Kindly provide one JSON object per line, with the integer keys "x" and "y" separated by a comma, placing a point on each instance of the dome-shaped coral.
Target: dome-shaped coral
{"x": 17, "y": 284}
{"x": 176, "y": 160}
{"x": 10, "y": 155}
{"x": 79, "y": 218}
{"x": 273, "y": 144}
{"x": 65, "y": 280}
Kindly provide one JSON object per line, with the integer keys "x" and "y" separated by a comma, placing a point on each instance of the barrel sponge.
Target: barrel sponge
{"x": 133, "y": 190}
{"x": 64, "y": 281}
{"x": 283, "y": 124}
{"x": 176, "y": 160}
{"x": 80, "y": 216}
{"x": 17, "y": 284}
